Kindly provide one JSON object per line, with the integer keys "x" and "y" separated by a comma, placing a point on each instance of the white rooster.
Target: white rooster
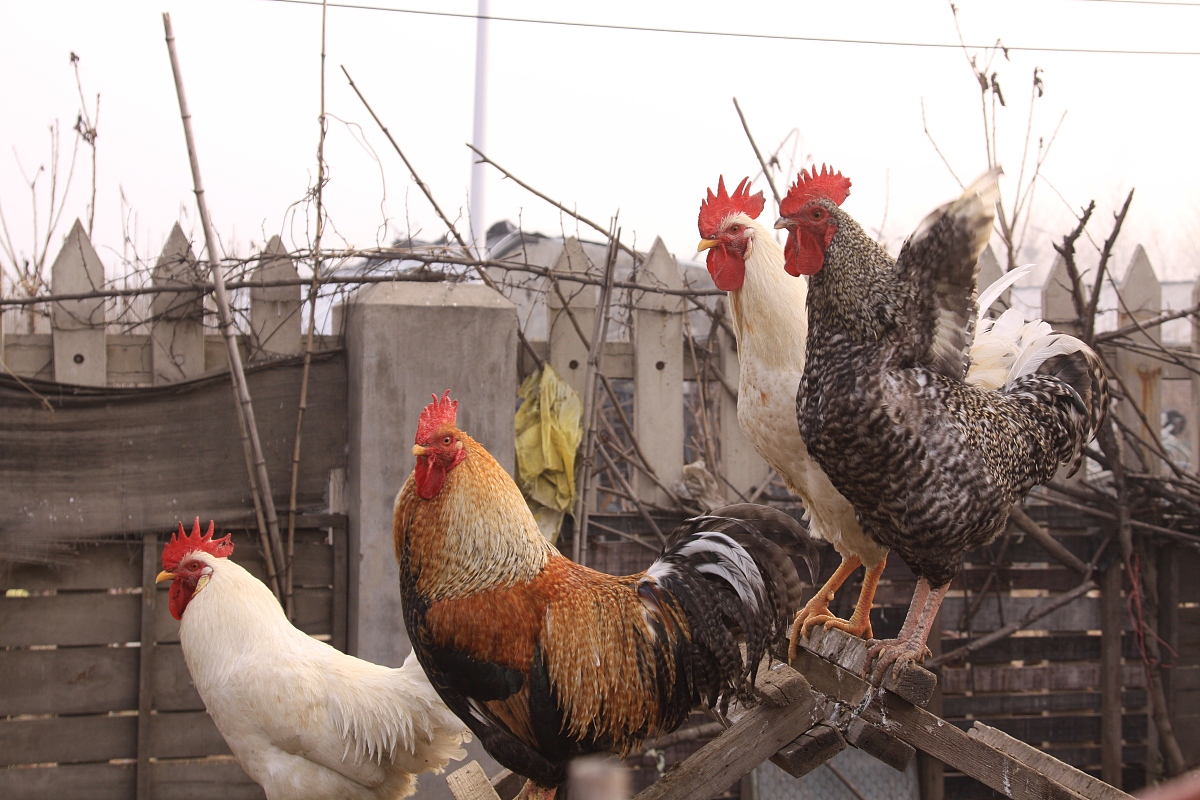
{"x": 770, "y": 321}
{"x": 304, "y": 720}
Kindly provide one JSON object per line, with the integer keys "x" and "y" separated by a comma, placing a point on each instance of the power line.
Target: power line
{"x": 736, "y": 35}
{"x": 1144, "y": 3}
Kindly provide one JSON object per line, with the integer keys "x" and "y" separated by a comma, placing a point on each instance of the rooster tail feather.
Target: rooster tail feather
{"x": 999, "y": 286}
{"x": 732, "y": 580}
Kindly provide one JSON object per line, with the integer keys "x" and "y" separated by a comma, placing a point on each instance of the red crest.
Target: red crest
{"x": 436, "y": 415}
{"x": 720, "y": 205}
{"x": 181, "y": 544}
{"x": 810, "y": 186}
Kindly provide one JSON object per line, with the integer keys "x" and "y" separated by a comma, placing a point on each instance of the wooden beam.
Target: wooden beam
{"x": 471, "y": 783}
{"x": 913, "y": 682}
{"x": 757, "y": 735}
{"x": 810, "y": 750}
{"x": 999, "y": 770}
{"x": 1073, "y": 779}
{"x": 150, "y": 564}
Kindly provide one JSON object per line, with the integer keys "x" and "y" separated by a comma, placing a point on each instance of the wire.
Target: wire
{"x": 736, "y": 35}
{"x": 1144, "y": 3}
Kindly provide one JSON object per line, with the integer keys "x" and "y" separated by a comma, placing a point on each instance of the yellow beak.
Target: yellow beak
{"x": 783, "y": 223}
{"x": 419, "y": 451}
{"x": 705, "y": 244}
{"x": 165, "y": 576}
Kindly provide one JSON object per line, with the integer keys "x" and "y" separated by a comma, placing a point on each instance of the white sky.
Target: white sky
{"x": 602, "y": 119}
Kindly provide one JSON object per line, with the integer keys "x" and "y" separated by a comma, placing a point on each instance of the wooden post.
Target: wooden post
{"x": 1141, "y": 373}
{"x": 77, "y": 326}
{"x": 150, "y": 566}
{"x": 1111, "y": 617}
{"x": 177, "y": 331}
{"x": 658, "y": 374}
{"x": 1194, "y": 420}
{"x": 1057, "y": 306}
{"x": 569, "y": 353}
{"x": 275, "y": 311}
{"x": 741, "y": 464}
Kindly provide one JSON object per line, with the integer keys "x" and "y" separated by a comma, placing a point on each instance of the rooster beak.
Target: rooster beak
{"x": 783, "y": 223}
{"x": 419, "y": 451}
{"x": 165, "y": 576}
{"x": 705, "y": 244}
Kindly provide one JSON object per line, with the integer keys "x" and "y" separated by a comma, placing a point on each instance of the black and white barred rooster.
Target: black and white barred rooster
{"x": 930, "y": 457}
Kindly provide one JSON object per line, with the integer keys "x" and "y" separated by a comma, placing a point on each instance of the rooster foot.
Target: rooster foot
{"x": 817, "y": 612}
{"x": 894, "y": 653}
{"x": 531, "y": 791}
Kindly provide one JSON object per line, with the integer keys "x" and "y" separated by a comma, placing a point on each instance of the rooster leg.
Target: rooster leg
{"x": 816, "y": 611}
{"x": 910, "y": 645}
{"x": 532, "y": 791}
{"x": 859, "y": 623}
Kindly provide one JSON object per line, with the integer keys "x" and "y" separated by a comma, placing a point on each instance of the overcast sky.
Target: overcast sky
{"x": 602, "y": 119}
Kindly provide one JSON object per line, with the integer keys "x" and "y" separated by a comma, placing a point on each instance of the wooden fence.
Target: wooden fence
{"x": 1052, "y": 685}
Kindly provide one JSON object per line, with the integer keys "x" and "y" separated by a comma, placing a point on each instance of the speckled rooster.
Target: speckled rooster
{"x": 930, "y": 457}
{"x": 545, "y": 659}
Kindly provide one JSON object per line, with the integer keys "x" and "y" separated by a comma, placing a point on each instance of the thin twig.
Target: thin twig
{"x": 757, "y": 154}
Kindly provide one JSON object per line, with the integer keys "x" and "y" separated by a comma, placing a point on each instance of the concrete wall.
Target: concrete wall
{"x": 404, "y": 342}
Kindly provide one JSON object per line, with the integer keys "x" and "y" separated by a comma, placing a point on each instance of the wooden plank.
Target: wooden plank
{"x": 80, "y": 357}
{"x": 471, "y": 783}
{"x": 874, "y": 740}
{"x": 1073, "y": 779}
{"x": 177, "y": 330}
{"x": 203, "y": 779}
{"x": 275, "y": 311}
{"x": 150, "y": 563}
{"x": 658, "y": 374}
{"x": 1078, "y": 646}
{"x": 1066, "y": 728}
{"x": 69, "y": 619}
{"x": 67, "y": 739}
{"x": 340, "y": 624}
{"x": 1189, "y": 559}
{"x": 107, "y": 565}
{"x": 185, "y": 734}
{"x": 810, "y": 750}
{"x": 1082, "y": 614}
{"x": 914, "y": 683}
{"x": 173, "y": 686}
{"x": 1110, "y": 675}
{"x": 93, "y": 781}
{"x": 74, "y": 680}
{"x": 314, "y": 614}
{"x": 931, "y": 773}
{"x": 926, "y": 732}
{"x": 755, "y": 737}
{"x": 992, "y": 705}
{"x": 1051, "y": 677}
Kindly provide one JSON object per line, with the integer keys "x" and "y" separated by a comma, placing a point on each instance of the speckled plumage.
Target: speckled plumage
{"x": 930, "y": 463}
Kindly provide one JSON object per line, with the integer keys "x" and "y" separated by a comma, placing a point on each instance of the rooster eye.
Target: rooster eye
{"x": 817, "y": 213}
{"x": 736, "y": 229}
{"x": 447, "y": 440}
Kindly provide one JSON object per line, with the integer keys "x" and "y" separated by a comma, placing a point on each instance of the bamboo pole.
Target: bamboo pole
{"x": 224, "y": 314}
{"x": 290, "y": 605}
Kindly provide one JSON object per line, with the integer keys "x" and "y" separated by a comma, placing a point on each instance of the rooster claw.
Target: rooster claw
{"x": 884, "y": 653}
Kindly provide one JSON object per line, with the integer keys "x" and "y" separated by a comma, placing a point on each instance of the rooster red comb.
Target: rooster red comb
{"x": 181, "y": 544}
{"x": 810, "y": 186}
{"x": 720, "y": 205}
{"x": 437, "y": 414}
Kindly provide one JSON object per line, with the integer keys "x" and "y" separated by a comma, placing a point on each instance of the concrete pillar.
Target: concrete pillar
{"x": 275, "y": 312}
{"x": 80, "y": 353}
{"x": 405, "y": 341}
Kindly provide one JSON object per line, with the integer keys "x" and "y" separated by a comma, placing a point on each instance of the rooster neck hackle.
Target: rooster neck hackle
{"x": 852, "y": 294}
{"x": 452, "y": 548}
{"x": 775, "y": 332}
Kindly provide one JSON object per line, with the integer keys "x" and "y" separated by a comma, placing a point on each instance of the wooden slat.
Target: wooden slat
{"x": 186, "y": 734}
{"x": 67, "y": 739}
{"x": 77, "y": 618}
{"x": 926, "y": 732}
{"x": 1082, "y": 614}
{"x": 108, "y": 565}
{"x": 982, "y": 706}
{"x": 74, "y": 680}
{"x": 1032, "y": 649}
{"x": 150, "y": 564}
{"x": 756, "y": 736}
{"x": 91, "y": 781}
{"x": 173, "y": 687}
{"x": 340, "y": 624}
{"x": 1110, "y": 675}
{"x": 203, "y": 780}
{"x": 1069, "y": 777}
{"x": 1065, "y": 729}
{"x": 1052, "y": 677}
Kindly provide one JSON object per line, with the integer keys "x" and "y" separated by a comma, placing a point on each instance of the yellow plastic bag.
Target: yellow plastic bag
{"x": 549, "y": 426}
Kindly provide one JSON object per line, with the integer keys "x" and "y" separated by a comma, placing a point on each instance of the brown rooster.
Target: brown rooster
{"x": 930, "y": 458}
{"x": 545, "y": 659}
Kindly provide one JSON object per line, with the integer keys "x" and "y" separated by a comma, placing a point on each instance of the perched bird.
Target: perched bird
{"x": 770, "y": 320}
{"x": 545, "y": 659}
{"x": 306, "y": 721}
{"x": 931, "y": 457}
